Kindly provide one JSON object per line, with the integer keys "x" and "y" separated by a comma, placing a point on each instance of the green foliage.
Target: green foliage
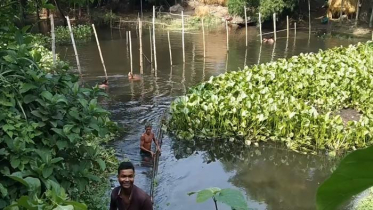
{"x": 232, "y": 198}
{"x": 295, "y": 101}
{"x": 265, "y": 7}
{"x": 353, "y": 175}
{"x": 51, "y": 130}
{"x": 82, "y": 33}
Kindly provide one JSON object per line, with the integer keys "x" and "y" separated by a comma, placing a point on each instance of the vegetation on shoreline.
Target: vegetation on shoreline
{"x": 82, "y": 34}
{"x": 52, "y": 129}
{"x": 295, "y": 102}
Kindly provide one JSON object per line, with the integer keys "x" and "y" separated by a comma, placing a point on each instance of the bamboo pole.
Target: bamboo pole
{"x": 182, "y": 25}
{"x": 273, "y": 52}
{"x": 155, "y": 51}
{"x": 226, "y": 28}
{"x": 127, "y": 38}
{"x": 204, "y": 43}
{"x": 309, "y": 15}
{"x": 274, "y": 26}
{"x": 244, "y": 64}
{"x": 99, "y": 49}
{"x": 260, "y": 28}
{"x": 357, "y": 12}
{"x": 130, "y": 41}
{"x": 53, "y": 40}
{"x": 151, "y": 46}
{"x": 74, "y": 46}
{"x": 169, "y": 46}
{"x": 371, "y": 19}
{"x": 295, "y": 29}
{"x": 260, "y": 54}
{"x": 287, "y": 26}
{"x": 245, "y": 24}
{"x": 141, "y": 53}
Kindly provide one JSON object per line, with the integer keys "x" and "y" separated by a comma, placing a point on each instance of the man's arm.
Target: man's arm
{"x": 142, "y": 141}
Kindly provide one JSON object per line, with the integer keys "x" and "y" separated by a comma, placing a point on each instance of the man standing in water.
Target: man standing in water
{"x": 146, "y": 141}
{"x": 128, "y": 196}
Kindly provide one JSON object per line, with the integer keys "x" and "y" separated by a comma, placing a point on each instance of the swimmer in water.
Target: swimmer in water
{"x": 133, "y": 76}
{"x": 104, "y": 84}
{"x": 269, "y": 40}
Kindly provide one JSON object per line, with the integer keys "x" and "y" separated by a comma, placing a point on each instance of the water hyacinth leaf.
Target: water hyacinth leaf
{"x": 353, "y": 175}
{"x": 232, "y": 198}
{"x": 77, "y": 206}
{"x": 204, "y": 195}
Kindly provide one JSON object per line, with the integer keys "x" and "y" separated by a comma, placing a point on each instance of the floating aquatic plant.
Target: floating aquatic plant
{"x": 294, "y": 101}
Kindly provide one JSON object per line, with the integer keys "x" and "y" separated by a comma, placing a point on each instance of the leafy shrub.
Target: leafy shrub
{"x": 293, "y": 101}
{"x": 52, "y": 130}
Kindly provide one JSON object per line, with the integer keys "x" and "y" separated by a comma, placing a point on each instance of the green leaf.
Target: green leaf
{"x": 353, "y": 175}
{"x": 67, "y": 128}
{"x": 29, "y": 98}
{"x": 102, "y": 164}
{"x": 204, "y": 195}
{"x": 47, "y": 171}
{"x": 34, "y": 184}
{"x": 61, "y": 144}
{"x": 232, "y": 198}
{"x": 47, "y": 95}
{"x": 68, "y": 207}
{"x": 58, "y": 131}
{"x": 77, "y": 206}
{"x": 3, "y": 191}
{"x": 19, "y": 179}
{"x": 26, "y": 87}
{"x": 56, "y": 160}
{"x": 14, "y": 162}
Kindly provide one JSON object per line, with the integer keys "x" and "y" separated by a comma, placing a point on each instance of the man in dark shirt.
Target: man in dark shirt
{"x": 128, "y": 196}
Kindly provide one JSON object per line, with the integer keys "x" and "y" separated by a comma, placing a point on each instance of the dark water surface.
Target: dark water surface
{"x": 270, "y": 178}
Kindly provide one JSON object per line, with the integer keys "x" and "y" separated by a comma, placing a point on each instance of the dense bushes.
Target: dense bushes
{"x": 296, "y": 102}
{"x": 265, "y": 7}
{"x": 52, "y": 130}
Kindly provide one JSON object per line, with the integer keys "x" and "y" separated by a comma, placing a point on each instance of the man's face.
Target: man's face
{"x": 126, "y": 178}
{"x": 148, "y": 130}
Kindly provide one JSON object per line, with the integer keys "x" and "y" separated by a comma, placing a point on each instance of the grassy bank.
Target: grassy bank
{"x": 296, "y": 102}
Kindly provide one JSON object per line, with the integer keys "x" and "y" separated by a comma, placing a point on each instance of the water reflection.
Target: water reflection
{"x": 278, "y": 177}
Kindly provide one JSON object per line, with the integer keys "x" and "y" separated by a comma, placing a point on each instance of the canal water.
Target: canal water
{"x": 268, "y": 176}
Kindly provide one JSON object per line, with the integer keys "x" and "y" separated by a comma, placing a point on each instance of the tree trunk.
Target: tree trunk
{"x": 61, "y": 12}
{"x": 38, "y": 14}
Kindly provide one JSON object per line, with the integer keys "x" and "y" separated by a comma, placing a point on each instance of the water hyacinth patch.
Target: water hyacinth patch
{"x": 294, "y": 101}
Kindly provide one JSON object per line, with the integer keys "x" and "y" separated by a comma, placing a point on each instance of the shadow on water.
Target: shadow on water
{"x": 271, "y": 178}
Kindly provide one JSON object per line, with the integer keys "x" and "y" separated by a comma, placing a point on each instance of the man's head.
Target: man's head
{"x": 126, "y": 174}
{"x": 148, "y": 129}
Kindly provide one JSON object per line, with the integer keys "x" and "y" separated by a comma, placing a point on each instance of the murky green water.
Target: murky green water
{"x": 270, "y": 178}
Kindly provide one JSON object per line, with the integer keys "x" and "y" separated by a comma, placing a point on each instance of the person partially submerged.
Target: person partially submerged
{"x": 104, "y": 84}
{"x": 146, "y": 141}
{"x": 128, "y": 196}
{"x": 134, "y": 77}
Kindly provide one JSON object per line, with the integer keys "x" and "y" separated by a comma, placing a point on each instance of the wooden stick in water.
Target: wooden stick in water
{"x": 74, "y": 46}
{"x": 245, "y": 24}
{"x": 182, "y": 25}
{"x": 99, "y": 49}
{"x": 274, "y": 26}
{"x": 309, "y": 15}
{"x": 287, "y": 26}
{"x": 204, "y": 43}
{"x": 155, "y": 51}
{"x": 169, "y": 46}
{"x": 226, "y": 28}
{"x": 53, "y": 40}
{"x": 357, "y": 12}
{"x": 140, "y": 38}
{"x": 151, "y": 47}
{"x": 130, "y": 41}
{"x": 295, "y": 29}
{"x": 260, "y": 28}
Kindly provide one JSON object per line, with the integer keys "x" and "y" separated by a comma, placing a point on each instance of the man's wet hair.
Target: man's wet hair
{"x": 126, "y": 165}
{"x": 148, "y": 126}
